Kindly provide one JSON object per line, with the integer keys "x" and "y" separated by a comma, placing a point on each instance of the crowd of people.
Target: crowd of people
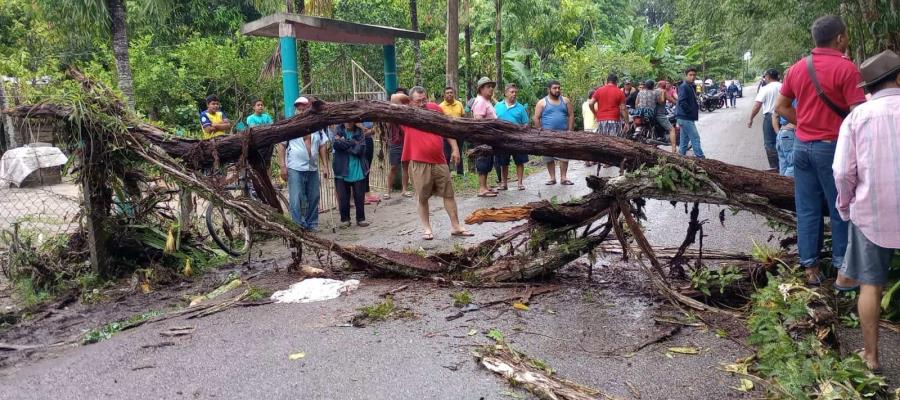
{"x": 818, "y": 126}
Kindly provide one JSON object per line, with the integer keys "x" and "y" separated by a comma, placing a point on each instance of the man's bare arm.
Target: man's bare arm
{"x": 571, "y": 110}
{"x": 784, "y": 108}
{"x": 756, "y": 107}
{"x": 538, "y": 109}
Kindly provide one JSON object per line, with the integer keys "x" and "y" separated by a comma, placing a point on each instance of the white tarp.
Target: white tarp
{"x": 20, "y": 162}
{"x": 314, "y": 289}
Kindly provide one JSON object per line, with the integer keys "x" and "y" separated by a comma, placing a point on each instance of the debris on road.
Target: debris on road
{"x": 227, "y": 287}
{"x": 296, "y": 356}
{"x": 315, "y": 289}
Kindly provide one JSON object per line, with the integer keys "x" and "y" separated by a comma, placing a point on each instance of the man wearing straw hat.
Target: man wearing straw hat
{"x": 867, "y": 175}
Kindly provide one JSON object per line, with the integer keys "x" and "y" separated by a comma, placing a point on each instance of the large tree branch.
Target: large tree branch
{"x": 737, "y": 181}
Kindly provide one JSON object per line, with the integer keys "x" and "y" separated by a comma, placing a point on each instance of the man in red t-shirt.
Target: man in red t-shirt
{"x": 428, "y": 168}
{"x": 608, "y": 105}
{"x": 818, "y": 124}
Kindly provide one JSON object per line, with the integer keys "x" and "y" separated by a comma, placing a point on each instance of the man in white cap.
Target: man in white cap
{"x": 866, "y": 177}
{"x": 299, "y": 163}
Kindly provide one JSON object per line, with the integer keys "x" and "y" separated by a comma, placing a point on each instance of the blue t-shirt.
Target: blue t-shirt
{"x": 515, "y": 114}
{"x": 262, "y": 119}
{"x": 784, "y": 120}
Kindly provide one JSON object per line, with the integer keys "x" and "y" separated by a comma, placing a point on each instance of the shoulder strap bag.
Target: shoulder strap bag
{"x": 821, "y": 93}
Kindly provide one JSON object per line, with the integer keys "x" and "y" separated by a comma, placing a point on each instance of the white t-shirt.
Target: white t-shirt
{"x": 767, "y": 95}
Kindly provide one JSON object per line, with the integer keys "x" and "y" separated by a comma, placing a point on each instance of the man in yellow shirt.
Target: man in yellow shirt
{"x": 453, "y": 108}
{"x": 213, "y": 120}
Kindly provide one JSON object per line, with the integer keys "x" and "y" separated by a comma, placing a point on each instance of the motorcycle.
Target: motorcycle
{"x": 711, "y": 101}
{"x": 645, "y": 129}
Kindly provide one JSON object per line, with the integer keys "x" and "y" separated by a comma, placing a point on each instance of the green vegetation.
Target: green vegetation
{"x": 802, "y": 367}
{"x": 461, "y": 299}
{"x": 379, "y": 311}
{"x": 705, "y": 279}
{"x": 107, "y": 331}
{"x": 255, "y": 293}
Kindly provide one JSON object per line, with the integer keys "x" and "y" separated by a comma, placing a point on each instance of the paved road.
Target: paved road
{"x": 243, "y": 353}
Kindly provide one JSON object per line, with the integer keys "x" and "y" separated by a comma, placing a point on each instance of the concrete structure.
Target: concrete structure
{"x": 290, "y": 27}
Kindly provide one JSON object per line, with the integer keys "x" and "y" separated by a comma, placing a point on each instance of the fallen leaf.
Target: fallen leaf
{"x": 746, "y": 385}
{"x": 296, "y": 356}
{"x": 472, "y": 332}
{"x": 520, "y": 306}
{"x": 684, "y": 350}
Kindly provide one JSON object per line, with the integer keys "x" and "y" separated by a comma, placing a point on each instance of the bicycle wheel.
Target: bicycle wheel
{"x": 230, "y": 232}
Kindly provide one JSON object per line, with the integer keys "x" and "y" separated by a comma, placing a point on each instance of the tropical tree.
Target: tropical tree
{"x": 105, "y": 18}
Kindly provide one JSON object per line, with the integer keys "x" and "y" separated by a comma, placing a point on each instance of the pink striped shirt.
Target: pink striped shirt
{"x": 867, "y": 168}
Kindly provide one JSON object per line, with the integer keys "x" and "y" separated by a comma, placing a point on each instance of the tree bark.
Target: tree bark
{"x": 119, "y": 33}
{"x": 470, "y": 85}
{"x": 452, "y": 69}
{"x": 711, "y": 181}
{"x": 498, "y": 47}
{"x": 417, "y": 48}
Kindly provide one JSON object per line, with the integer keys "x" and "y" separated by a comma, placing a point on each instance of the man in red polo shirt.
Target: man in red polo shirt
{"x": 608, "y": 105}
{"x": 428, "y": 167}
{"x": 818, "y": 118}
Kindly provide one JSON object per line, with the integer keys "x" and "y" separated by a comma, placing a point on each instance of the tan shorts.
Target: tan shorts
{"x": 431, "y": 180}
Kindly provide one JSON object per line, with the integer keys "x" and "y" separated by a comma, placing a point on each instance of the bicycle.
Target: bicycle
{"x": 231, "y": 232}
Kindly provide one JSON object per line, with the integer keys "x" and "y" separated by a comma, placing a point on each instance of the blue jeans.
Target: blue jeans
{"x": 785, "y": 147}
{"x": 769, "y": 136}
{"x": 689, "y": 133}
{"x": 303, "y": 197}
{"x": 813, "y": 187}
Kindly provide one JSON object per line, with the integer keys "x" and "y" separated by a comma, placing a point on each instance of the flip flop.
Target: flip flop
{"x": 386, "y": 196}
{"x": 548, "y": 183}
{"x": 427, "y": 236}
{"x": 566, "y": 182}
{"x": 521, "y": 187}
{"x": 407, "y": 194}
{"x": 504, "y": 187}
{"x": 462, "y": 233}
{"x": 487, "y": 194}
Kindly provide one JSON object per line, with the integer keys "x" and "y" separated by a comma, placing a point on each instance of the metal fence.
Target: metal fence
{"x": 346, "y": 80}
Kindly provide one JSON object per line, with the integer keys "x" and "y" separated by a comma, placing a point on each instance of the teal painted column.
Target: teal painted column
{"x": 289, "y": 83}
{"x": 390, "y": 69}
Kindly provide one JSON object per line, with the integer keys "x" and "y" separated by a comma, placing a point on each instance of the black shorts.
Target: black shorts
{"x": 396, "y": 152}
{"x": 501, "y": 158}
{"x": 484, "y": 165}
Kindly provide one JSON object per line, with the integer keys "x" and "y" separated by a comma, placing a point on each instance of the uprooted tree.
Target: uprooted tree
{"x": 553, "y": 236}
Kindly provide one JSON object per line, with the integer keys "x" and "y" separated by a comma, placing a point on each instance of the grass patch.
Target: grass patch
{"x": 28, "y": 295}
{"x": 258, "y": 294}
{"x": 107, "y": 331}
{"x": 382, "y": 311}
{"x": 468, "y": 183}
{"x": 461, "y": 299}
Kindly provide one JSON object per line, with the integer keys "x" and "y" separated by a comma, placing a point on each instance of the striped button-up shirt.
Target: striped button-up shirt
{"x": 867, "y": 168}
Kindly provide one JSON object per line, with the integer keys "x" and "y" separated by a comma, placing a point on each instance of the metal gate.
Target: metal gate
{"x": 344, "y": 80}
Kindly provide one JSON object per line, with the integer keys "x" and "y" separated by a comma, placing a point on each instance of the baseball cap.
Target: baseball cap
{"x": 301, "y": 100}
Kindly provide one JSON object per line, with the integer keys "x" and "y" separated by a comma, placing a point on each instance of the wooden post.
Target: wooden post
{"x": 97, "y": 199}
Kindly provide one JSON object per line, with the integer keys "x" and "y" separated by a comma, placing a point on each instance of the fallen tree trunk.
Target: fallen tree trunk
{"x": 736, "y": 181}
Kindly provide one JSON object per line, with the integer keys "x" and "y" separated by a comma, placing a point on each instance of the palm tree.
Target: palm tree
{"x": 453, "y": 44}
{"x": 104, "y": 18}
{"x": 417, "y": 49}
{"x": 498, "y": 47}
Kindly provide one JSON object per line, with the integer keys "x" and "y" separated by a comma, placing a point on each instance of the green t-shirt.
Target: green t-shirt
{"x": 263, "y": 119}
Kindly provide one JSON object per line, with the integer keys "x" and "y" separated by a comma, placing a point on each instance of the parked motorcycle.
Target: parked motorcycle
{"x": 711, "y": 101}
